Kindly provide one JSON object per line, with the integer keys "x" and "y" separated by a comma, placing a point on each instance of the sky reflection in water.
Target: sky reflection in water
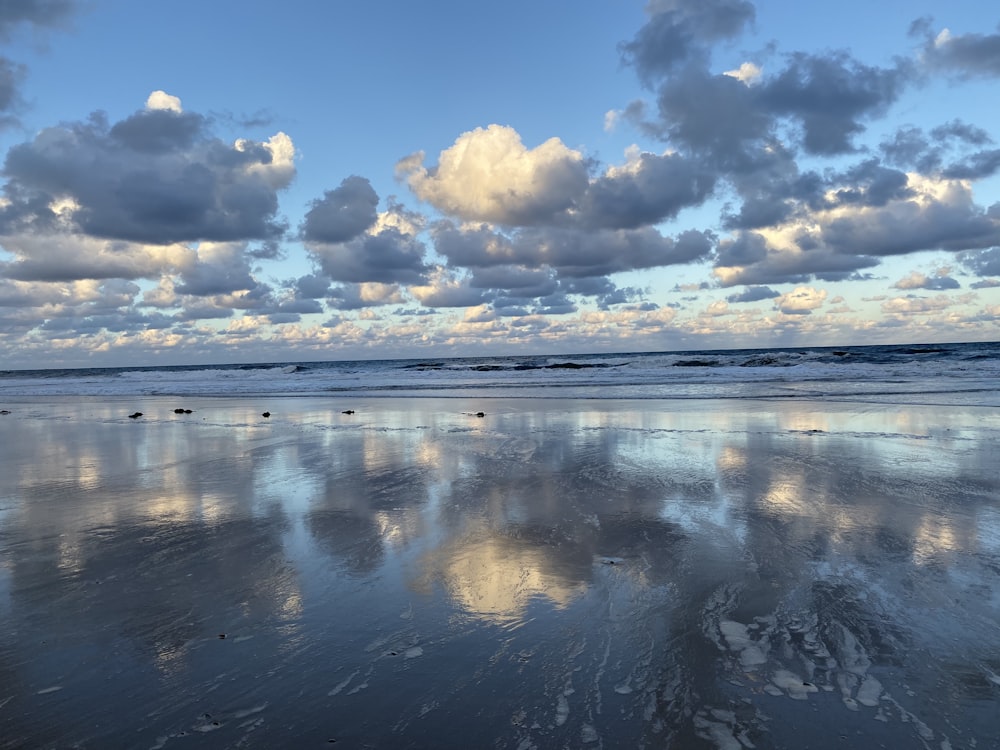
{"x": 632, "y": 573}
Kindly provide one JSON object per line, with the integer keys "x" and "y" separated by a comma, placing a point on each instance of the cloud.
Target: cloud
{"x": 572, "y": 253}
{"x": 42, "y": 13}
{"x": 940, "y": 281}
{"x": 342, "y": 214}
{"x": 679, "y": 32}
{"x": 646, "y": 190}
{"x": 364, "y": 295}
{"x": 985, "y": 284}
{"x": 157, "y": 177}
{"x": 966, "y": 55}
{"x": 830, "y": 95}
{"x": 54, "y": 256}
{"x": 489, "y": 175}
{"x": 916, "y": 305}
{"x": 800, "y": 301}
{"x": 843, "y": 236}
{"x": 753, "y": 294}
{"x": 219, "y": 269}
{"x": 984, "y": 262}
{"x": 445, "y": 289}
{"x": 748, "y": 73}
{"x": 388, "y": 257}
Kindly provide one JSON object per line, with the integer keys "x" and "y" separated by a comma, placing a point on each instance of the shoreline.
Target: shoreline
{"x": 626, "y": 572}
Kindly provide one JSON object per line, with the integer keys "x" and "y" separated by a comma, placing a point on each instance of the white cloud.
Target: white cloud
{"x": 489, "y": 175}
{"x": 747, "y": 73}
{"x": 800, "y": 301}
{"x": 163, "y": 100}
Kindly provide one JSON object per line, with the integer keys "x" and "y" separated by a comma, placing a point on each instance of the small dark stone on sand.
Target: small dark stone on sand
{"x": 187, "y": 411}
{"x": 4, "y": 411}
{"x": 347, "y": 411}
{"x": 178, "y": 411}
{"x": 222, "y": 636}
{"x": 480, "y": 414}
{"x": 135, "y": 416}
{"x": 266, "y": 414}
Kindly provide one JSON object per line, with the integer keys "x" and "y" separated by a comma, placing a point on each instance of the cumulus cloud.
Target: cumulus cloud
{"x": 680, "y": 32}
{"x": 984, "y": 262}
{"x": 489, "y": 175}
{"x": 753, "y": 294}
{"x": 342, "y": 214}
{"x": 156, "y": 177}
{"x": 831, "y": 95}
{"x": 800, "y": 301}
{"x": 364, "y": 295}
{"x": 940, "y": 281}
{"x": 572, "y": 253}
{"x": 446, "y": 289}
{"x": 848, "y": 233}
{"x": 646, "y": 190}
{"x": 916, "y": 305}
{"x": 965, "y": 55}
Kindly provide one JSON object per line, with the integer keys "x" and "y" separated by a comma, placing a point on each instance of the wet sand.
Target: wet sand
{"x": 689, "y": 574}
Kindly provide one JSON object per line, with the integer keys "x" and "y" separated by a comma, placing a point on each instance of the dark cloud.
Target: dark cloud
{"x": 34, "y": 12}
{"x": 831, "y": 95}
{"x": 157, "y": 177}
{"x": 311, "y": 286}
{"x": 572, "y": 253}
{"x": 224, "y": 273}
{"x": 717, "y": 118}
{"x": 753, "y": 294}
{"x": 977, "y": 166}
{"x": 390, "y": 256}
{"x": 525, "y": 282}
{"x": 159, "y": 131}
{"x": 647, "y": 191}
{"x": 554, "y": 304}
{"x": 871, "y": 184}
{"x": 744, "y": 248}
{"x": 455, "y": 294}
{"x": 947, "y": 222}
{"x": 984, "y": 262}
{"x": 12, "y": 75}
{"x": 679, "y": 32}
{"x": 342, "y": 214}
{"x": 965, "y": 55}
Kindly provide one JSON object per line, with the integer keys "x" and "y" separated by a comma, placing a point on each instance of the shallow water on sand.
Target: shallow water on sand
{"x": 553, "y": 574}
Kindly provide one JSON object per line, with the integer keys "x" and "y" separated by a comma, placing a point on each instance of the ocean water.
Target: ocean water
{"x": 940, "y": 373}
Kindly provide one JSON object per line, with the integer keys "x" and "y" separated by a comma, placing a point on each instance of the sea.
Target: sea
{"x": 961, "y": 374}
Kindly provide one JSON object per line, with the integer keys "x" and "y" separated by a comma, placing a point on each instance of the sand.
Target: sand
{"x": 556, "y": 573}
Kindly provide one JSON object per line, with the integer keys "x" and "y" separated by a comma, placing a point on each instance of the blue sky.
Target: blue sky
{"x": 217, "y": 182}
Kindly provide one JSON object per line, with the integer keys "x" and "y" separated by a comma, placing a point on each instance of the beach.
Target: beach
{"x": 714, "y": 573}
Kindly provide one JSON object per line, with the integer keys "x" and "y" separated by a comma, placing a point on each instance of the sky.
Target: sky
{"x": 194, "y": 182}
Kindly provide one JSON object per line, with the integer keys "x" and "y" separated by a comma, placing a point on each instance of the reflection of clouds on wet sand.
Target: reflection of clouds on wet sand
{"x": 645, "y": 573}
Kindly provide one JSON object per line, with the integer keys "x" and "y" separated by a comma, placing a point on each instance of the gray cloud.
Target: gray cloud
{"x": 965, "y": 55}
{"x": 225, "y": 271}
{"x": 390, "y": 256}
{"x": 830, "y": 95}
{"x": 156, "y": 177}
{"x": 679, "y": 32}
{"x": 650, "y": 190}
{"x": 984, "y": 262}
{"x": 753, "y": 294}
{"x": 34, "y": 12}
{"x": 342, "y": 214}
